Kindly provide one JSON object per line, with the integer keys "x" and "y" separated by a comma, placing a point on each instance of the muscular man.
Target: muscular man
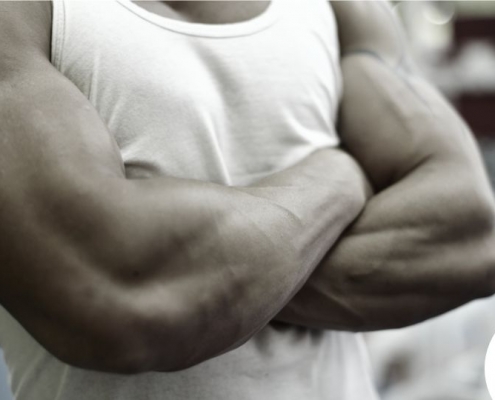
{"x": 173, "y": 201}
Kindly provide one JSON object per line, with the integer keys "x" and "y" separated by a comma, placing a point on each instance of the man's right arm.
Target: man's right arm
{"x": 159, "y": 274}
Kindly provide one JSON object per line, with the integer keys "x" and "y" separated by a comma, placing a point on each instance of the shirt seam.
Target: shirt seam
{"x": 58, "y": 32}
{"x": 208, "y": 35}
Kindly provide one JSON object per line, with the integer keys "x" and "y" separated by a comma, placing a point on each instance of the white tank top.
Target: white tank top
{"x": 225, "y": 103}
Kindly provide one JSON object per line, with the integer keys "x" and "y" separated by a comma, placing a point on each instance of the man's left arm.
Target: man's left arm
{"x": 425, "y": 242}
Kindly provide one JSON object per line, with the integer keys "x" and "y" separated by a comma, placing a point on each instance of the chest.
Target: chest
{"x": 264, "y": 76}
{"x": 226, "y": 108}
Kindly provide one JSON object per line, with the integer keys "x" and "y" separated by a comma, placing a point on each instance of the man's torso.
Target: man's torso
{"x": 229, "y": 103}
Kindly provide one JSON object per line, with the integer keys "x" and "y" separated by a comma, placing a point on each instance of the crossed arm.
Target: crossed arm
{"x": 187, "y": 269}
{"x": 162, "y": 258}
{"x": 425, "y": 242}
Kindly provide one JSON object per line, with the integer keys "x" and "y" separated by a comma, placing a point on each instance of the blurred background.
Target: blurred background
{"x": 442, "y": 359}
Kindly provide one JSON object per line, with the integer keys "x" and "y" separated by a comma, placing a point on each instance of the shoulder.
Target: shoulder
{"x": 25, "y": 29}
{"x": 370, "y": 26}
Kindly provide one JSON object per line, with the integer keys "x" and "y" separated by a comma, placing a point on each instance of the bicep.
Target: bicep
{"x": 56, "y": 153}
{"x": 44, "y": 118}
{"x": 391, "y": 119}
{"x": 54, "y": 156}
{"x": 55, "y": 149}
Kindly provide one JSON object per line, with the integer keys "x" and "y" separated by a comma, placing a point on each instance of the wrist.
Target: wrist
{"x": 328, "y": 177}
{"x": 351, "y": 178}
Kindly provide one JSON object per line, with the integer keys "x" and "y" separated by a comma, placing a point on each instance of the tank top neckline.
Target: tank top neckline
{"x": 244, "y": 28}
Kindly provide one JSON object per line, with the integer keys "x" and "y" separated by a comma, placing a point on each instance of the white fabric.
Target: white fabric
{"x": 227, "y": 103}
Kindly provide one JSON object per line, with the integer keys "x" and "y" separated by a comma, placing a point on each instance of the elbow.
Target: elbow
{"x": 103, "y": 332}
{"x": 486, "y": 242}
{"x": 124, "y": 352}
{"x": 131, "y": 343}
{"x": 475, "y": 232}
{"x": 110, "y": 360}
{"x": 463, "y": 213}
{"x": 111, "y": 349}
{"x": 475, "y": 220}
{"x": 479, "y": 214}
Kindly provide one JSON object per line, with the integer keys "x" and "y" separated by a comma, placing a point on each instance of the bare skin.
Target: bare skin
{"x": 380, "y": 275}
{"x": 425, "y": 242}
{"x": 206, "y": 12}
{"x": 197, "y": 242}
{"x": 87, "y": 254}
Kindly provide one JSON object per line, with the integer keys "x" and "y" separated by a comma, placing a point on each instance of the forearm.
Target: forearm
{"x": 423, "y": 244}
{"x": 187, "y": 269}
{"x": 409, "y": 257}
{"x": 429, "y": 245}
{"x": 247, "y": 251}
